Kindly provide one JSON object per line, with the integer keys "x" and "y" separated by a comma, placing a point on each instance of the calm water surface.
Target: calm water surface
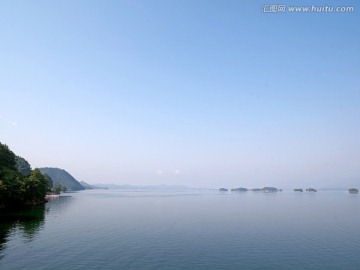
{"x": 109, "y": 229}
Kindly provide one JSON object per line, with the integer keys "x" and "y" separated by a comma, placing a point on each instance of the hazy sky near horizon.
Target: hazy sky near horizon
{"x": 199, "y": 93}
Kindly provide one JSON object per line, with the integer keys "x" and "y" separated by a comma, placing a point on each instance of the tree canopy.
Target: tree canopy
{"x": 23, "y": 166}
{"x": 7, "y": 157}
{"x": 19, "y": 185}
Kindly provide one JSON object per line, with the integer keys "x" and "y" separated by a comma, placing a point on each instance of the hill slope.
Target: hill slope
{"x": 62, "y": 177}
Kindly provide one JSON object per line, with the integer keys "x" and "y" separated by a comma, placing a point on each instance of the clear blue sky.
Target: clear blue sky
{"x": 200, "y": 93}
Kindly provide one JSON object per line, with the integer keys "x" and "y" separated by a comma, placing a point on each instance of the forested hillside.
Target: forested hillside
{"x": 19, "y": 185}
{"x": 63, "y": 178}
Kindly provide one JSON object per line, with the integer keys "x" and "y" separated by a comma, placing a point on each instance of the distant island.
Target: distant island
{"x": 265, "y": 189}
{"x": 353, "y": 190}
{"x": 308, "y": 190}
{"x": 242, "y": 189}
{"x": 239, "y": 189}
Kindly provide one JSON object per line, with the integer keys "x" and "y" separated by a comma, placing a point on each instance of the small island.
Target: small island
{"x": 353, "y": 191}
{"x": 311, "y": 190}
{"x": 223, "y": 189}
{"x": 265, "y": 189}
{"x": 241, "y": 189}
{"x": 298, "y": 190}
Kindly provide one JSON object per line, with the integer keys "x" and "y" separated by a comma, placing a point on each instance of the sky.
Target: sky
{"x": 202, "y": 93}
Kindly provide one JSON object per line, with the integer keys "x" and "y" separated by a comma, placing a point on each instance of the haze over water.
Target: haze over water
{"x": 114, "y": 229}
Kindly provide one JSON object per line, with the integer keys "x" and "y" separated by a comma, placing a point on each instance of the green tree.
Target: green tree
{"x": 7, "y": 157}
{"x": 36, "y": 186}
{"x": 10, "y": 178}
{"x": 16, "y": 189}
{"x": 50, "y": 181}
{"x": 56, "y": 188}
{"x": 10, "y": 187}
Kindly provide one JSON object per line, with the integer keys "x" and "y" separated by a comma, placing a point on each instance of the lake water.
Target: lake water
{"x": 113, "y": 229}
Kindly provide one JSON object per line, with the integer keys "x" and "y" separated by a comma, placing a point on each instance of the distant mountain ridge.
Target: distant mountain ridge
{"x": 62, "y": 177}
{"x": 88, "y": 186}
{"x": 153, "y": 187}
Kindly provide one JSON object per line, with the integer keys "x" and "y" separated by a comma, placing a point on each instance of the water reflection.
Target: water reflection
{"x": 27, "y": 222}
